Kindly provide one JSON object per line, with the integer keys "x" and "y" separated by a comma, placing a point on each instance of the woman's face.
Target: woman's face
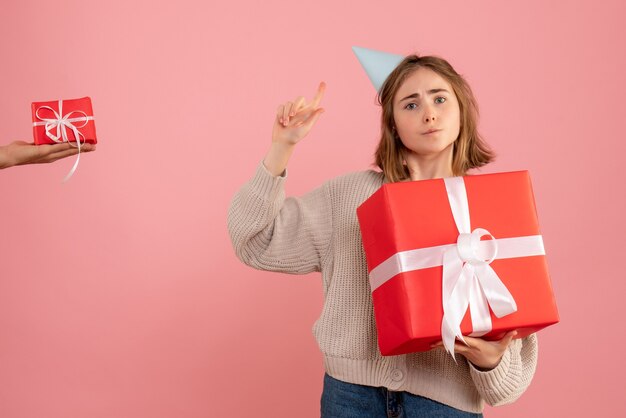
{"x": 426, "y": 113}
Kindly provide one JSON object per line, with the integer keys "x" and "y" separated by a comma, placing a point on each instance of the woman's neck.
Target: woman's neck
{"x": 430, "y": 167}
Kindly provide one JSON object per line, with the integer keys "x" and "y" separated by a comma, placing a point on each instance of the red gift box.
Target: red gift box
{"x": 410, "y": 228}
{"x": 63, "y": 121}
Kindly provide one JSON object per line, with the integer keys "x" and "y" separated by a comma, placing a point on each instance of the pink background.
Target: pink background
{"x": 120, "y": 295}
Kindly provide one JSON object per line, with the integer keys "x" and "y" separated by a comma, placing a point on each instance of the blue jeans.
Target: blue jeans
{"x": 347, "y": 400}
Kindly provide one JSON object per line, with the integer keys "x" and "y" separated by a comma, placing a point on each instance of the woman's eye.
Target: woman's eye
{"x": 440, "y": 99}
{"x": 411, "y": 106}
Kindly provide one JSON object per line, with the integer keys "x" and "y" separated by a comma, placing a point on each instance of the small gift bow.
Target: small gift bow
{"x": 61, "y": 123}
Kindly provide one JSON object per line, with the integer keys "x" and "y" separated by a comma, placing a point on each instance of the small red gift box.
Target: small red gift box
{"x": 429, "y": 266}
{"x": 63, "y": 121}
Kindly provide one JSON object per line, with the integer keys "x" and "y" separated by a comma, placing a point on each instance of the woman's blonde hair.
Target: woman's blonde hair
{"x": 470, "y": 150}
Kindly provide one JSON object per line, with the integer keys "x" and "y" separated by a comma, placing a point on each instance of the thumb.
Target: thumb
{"x": 310, "y": 121}
{"x": 508, "y": 338}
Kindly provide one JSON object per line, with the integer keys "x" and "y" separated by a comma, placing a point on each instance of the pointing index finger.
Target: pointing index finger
{"x": 318, "y": 96}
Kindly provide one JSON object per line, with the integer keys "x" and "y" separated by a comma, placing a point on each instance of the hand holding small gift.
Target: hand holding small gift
{"x": 21, "y": 153}
{"x": 65, "y": 121}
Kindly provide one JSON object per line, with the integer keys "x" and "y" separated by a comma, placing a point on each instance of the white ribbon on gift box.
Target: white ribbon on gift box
{"x": 61, "y": 123}
{"x": 467, "y": 280}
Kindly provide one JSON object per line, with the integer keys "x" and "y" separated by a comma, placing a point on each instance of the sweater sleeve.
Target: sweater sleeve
{"x": 271, "y": 232}
{"x": 508, "y": 381}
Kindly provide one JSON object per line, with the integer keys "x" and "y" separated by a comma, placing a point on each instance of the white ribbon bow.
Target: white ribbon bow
{"x": 61, "y": 123}
{"x": 468, "y": 279}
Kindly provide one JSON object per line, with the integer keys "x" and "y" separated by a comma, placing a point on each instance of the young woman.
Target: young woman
{"x": 429, "y": 120}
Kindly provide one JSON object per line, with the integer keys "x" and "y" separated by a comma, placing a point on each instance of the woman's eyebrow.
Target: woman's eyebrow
{"x": 416, "y": 95}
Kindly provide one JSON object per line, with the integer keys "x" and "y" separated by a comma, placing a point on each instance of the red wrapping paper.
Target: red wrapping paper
{"x": 410, "y": 215}
{"x": 73, "y": 106}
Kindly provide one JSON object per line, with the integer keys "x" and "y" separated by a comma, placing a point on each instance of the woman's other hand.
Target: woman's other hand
{"x": 484, "y": 355}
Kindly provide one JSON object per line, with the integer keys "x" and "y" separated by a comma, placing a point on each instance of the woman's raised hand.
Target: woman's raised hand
{"x": 293, "y": 122}
{"x": 295, "y": 119}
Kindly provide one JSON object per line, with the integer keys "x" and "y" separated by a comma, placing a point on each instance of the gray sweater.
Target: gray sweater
{"x": 320, "y": 232}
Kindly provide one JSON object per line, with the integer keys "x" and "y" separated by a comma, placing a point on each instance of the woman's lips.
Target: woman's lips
{"x": 430, "y": 131}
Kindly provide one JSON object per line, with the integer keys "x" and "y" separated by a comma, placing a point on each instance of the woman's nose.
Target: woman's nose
{"x": 429, "y": 114}
{"x": 429, "y": 117}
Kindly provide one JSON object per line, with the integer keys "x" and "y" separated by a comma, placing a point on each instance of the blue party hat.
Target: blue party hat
{"x": 377, "y": 64}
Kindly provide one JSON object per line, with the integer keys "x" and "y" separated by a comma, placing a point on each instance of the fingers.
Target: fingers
{"x": 470, "y": 341}
{"x": 301, "y": 118}
{"x": 57, "y": 155}
{"x": 312, "y": 118}
{"x": 279, "y": 114}
{"x": 282, "y": 113}
{"x": 51, "y": 153}
{"x": 87, "y": 147}
{"x": 298, "y": 105}
{"x": 318, "y": 96}
{"x": 437, "y": 344}
{"x": 461, "y": 348}
{"x": 508, "y": 337}
{"x": 49, "y": 157}
{"x": 49, "y": 149}
{"x": 27, "y": 153}
{"x": 286, "y": 112}
{"x": 83, "y": 148}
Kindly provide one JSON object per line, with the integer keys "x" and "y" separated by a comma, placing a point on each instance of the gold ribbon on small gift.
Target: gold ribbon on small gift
{"x": 467, "y": 280}
{"x": 62, "y": 123}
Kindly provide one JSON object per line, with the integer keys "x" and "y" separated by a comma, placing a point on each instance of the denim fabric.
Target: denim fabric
{"x": 347, "y": 400}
